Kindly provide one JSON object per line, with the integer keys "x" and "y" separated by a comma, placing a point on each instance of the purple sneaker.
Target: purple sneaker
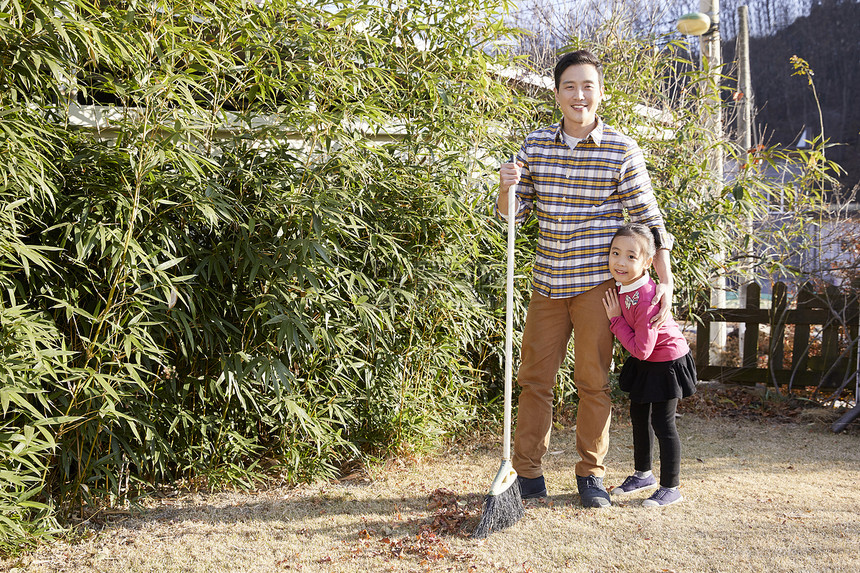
{"x": 633, "y": 484}
{"x": 663, "y": 497}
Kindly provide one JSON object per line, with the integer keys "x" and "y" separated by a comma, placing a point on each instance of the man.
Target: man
{"x": 577, "y": 177}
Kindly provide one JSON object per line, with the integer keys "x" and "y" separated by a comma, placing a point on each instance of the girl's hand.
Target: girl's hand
{"x": 611, "y": 304}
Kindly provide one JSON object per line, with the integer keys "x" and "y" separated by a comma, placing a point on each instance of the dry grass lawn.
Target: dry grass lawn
{"x": 761, "y": 495}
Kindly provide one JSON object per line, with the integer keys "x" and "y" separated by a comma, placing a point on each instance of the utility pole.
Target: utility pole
{"x": 712, "y": 62}
{"x": 744, "y": 123}
{"x": 744, "y": 83}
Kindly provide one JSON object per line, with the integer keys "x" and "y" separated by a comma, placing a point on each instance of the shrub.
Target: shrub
{"x": 271, "y": 256}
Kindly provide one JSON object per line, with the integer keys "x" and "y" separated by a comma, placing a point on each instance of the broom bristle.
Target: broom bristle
{"x": 500, "y": 511}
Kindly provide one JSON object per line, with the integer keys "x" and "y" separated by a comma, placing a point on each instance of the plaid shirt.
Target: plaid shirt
{"x": 579, "y": 197}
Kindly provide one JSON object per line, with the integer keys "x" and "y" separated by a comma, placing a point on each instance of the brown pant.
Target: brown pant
{"x": 549, "y": 323}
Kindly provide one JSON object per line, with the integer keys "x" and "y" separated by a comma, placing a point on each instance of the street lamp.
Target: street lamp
{"x": 694, "y": 24}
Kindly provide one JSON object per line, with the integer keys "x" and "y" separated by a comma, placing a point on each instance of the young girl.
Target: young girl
{"x": 660, "y": 369}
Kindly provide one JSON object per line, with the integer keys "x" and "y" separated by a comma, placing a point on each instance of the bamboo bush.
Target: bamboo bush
{"x": 272, "y": 256}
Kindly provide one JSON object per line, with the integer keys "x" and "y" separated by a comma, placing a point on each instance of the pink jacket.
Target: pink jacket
{"x": 632, "y": 327}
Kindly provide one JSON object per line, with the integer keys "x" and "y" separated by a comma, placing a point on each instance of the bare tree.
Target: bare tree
{"x": 558, "y": 19}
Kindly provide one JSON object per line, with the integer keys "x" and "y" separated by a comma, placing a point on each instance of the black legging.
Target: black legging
{"x": 657, "y": 418}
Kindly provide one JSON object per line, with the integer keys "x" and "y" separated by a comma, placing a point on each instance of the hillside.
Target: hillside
{"x": 785, "y": 103}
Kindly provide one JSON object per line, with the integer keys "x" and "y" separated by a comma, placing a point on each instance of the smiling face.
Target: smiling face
{"x": 579, "y": 92}
{"x": 628, "y": 259}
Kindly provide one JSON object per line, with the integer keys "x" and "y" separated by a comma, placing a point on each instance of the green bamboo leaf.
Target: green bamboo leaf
{"x": 169, "y": 264}
{"x": 12, "y": 478}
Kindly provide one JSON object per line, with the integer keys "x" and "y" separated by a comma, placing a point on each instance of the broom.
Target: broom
{"x": 503, "y": 506}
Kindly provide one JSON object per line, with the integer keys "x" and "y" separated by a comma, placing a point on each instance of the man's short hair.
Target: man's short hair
{"x": 577, "y": 58}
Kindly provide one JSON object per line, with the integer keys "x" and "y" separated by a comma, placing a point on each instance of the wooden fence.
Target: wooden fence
{"x": 830, "y": 367}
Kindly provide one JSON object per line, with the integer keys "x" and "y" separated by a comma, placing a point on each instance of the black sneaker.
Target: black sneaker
{"x": 591, "y": 491}
{"x": 531, "y": 488}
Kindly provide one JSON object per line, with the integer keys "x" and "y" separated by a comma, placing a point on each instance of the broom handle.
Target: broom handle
{"x": 509, "y": 321}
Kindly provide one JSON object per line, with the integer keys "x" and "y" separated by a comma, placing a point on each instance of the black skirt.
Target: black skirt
{"x": 658, "y": 381}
